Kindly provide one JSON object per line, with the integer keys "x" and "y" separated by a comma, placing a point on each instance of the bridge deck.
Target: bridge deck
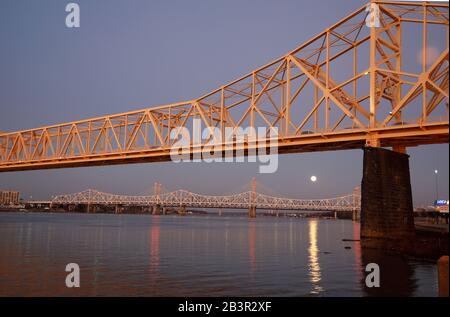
{"x": 319, "y": 97}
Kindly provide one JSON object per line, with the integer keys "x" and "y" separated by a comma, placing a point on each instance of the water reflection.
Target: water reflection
{"x": 396, "y": 274}
{"x": 251, "y": 245}
{"x": 154, "y": 245}
{"x": 137, "y": 255}
{"x": 313, "y": 256}
{"x": 357, "y": 249}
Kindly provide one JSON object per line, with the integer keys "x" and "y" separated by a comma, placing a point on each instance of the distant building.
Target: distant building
{"x": 441, "y": 205}
{"x": 8, "y": 197}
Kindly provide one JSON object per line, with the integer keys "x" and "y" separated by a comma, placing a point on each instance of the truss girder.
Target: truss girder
{"x": 183, "y": 198}
{"x": 320, "y": 96}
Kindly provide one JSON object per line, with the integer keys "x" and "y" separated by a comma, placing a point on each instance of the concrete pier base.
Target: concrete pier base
{"x": 90, "y": 208}
{"x": 386, "y": 199}
{"x": 252, "y": 212}
{"x": 182, "y": 211}
{"x": 355, "y": 215}
{"x": 156, "y": 210}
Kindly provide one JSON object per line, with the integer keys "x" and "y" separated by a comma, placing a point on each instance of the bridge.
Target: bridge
{"x": 324, "y": 95}
{"x": 376, "y": 79}
{"x": 183, "y": 199}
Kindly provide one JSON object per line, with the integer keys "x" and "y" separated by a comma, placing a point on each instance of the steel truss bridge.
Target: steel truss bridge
{"x": 378, "y": 77}
{"x": 184, "y": 198}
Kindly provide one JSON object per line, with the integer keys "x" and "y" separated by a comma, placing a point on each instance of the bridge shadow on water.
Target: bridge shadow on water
{"x": 397, "y": 274}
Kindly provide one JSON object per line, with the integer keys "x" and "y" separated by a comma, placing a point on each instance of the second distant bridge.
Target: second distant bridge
{"x": 183, "y": 199}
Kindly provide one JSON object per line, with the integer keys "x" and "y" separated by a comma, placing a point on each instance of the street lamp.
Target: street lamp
{"x": 437, "y": 188}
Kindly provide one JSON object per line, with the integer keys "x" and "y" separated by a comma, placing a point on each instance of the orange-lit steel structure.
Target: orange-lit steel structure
{"x": 350, "y": 86}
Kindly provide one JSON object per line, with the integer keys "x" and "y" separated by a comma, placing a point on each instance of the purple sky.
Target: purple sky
{"x": 134, "y": 54}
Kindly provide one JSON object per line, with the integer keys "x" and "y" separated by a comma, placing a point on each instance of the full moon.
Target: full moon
{"x": 313, "y": 178}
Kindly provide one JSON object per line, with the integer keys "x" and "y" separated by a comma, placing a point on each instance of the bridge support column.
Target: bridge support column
{"x": 182, "y": 211}
{"x": 252, "y": 212}
{"x": 386, "y": 199}
{"x": 156, "y": 210}
{"x": 90, "y": 208}
{"x": 355, "y": 215}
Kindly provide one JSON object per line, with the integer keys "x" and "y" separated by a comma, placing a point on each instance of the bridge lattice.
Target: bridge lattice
{"x": 186, "y": 198}
{"x": 355, "y": 84}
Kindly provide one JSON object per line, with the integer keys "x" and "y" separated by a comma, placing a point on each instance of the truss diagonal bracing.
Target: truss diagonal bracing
{"x": 183, "y": 198}
{"x": 352, "y": 85}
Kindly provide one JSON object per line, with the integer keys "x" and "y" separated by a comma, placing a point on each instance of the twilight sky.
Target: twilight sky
{"x": 133, "y": 54}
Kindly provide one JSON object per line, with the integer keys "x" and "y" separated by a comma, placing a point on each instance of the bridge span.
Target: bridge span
{"x": 354, "y": 84}
{"x": 185, "y": 199}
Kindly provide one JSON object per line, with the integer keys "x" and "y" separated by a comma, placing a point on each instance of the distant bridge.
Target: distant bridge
{"x": 183, "y": 199}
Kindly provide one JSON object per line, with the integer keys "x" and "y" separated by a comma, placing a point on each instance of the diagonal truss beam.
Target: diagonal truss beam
{"x": 320, "y": 96}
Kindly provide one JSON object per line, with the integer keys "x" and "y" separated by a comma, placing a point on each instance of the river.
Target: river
{"x": 144, "y": 255}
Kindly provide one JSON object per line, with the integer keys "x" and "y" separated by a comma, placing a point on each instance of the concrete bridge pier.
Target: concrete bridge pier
{"x": 156, "y": 210}
{"x": 355, "y": 215}
{"x": 386, "y": 199}
{"x": 91, "y": 208}
{"x": 252, "y": 212}
{"x": 182, "y": 210}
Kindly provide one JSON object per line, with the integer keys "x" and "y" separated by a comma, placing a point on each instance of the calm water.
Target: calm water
{"x": 143, "y": 255}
